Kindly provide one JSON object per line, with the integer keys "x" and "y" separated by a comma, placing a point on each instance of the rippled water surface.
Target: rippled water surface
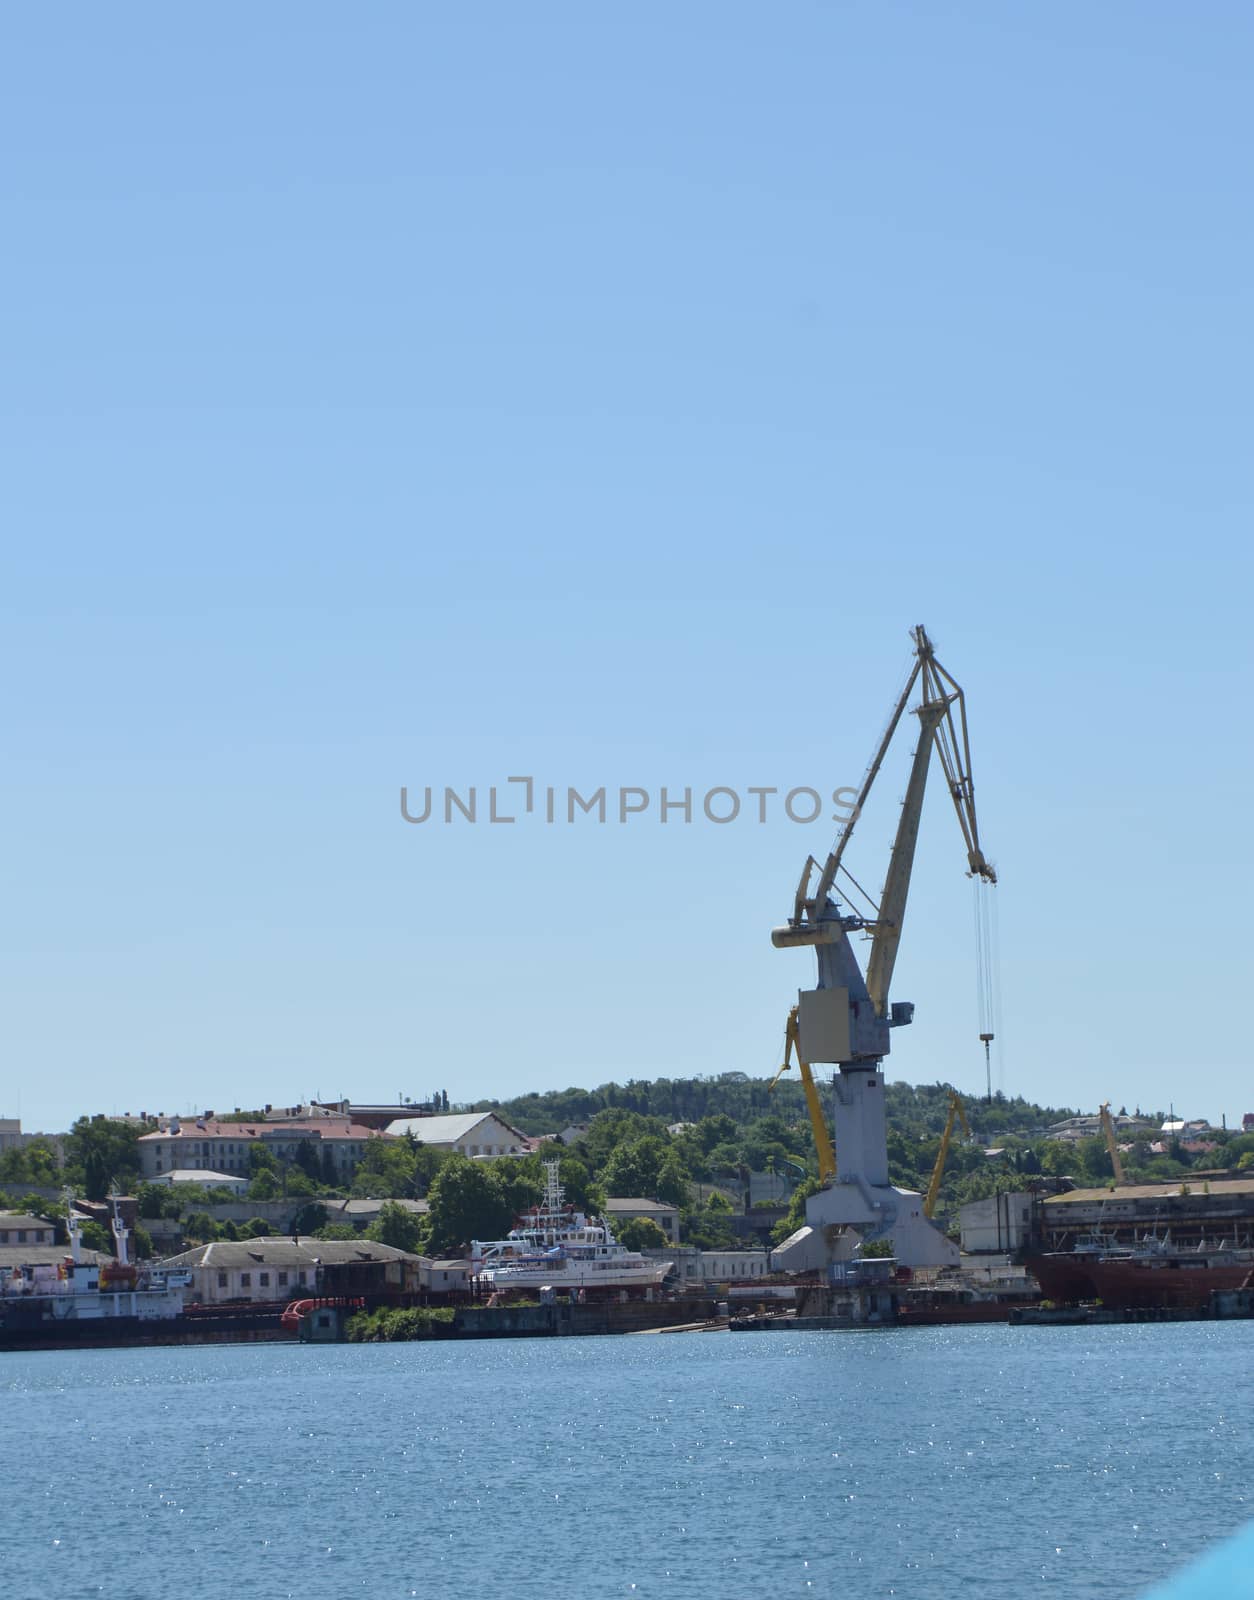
{"x": 978, "y": 1461}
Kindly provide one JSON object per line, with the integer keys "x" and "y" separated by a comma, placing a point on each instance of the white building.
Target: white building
{"x": 469, "y": 1133}
{"x": 698, "y": 1267}
{"x": 208, "y": 1144}
{"x": 270, "y": 1269}
{"x": 206, "y": 1179}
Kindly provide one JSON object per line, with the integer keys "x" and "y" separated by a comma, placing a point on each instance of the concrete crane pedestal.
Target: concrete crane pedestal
{"x": 860, "y": 1204}
{"x": 845, "y": 1216}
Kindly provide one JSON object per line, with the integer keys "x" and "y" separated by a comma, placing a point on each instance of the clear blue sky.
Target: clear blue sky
{"x": 429, "y": 395}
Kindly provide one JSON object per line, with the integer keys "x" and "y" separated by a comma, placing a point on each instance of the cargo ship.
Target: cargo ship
{"x": 1148, "y": 1276}
{"x": 79, "y": 1302}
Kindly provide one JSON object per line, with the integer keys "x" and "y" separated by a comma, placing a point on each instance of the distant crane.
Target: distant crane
{"x": 1108, "y": 1131}
{"x": 957, "y": 1113}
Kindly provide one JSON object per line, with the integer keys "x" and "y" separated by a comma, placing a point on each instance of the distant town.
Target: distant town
{"x": 707, "y": 1173}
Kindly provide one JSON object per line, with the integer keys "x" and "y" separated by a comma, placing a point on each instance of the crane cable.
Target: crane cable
{"x": 987, "y": 974}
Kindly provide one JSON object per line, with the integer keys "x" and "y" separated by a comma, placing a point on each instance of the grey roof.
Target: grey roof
{"x": 624, "y": 1203}
{"x": 45, "y": 1255}
{"x": 348, "y": 1209}
{"x": 21, "y": 1219}
{"x": 285, "y": 1252}
{"x": 1215, "y": 1189}
{"x": 208, "y": 1180}
{"x": 447, "y": 1130}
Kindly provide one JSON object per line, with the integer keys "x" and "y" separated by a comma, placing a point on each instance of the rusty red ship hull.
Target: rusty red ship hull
{"x": 1141, "y": 1282}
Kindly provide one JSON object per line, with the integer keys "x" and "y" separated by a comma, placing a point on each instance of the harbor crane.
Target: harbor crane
{"x": 847, "y": 1018}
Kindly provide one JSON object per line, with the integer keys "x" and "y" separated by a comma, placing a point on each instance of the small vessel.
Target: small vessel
{"x": 74, "y": 1301}
{"x": 556, "y": 1247}
{"x": 1150, "y": 1275}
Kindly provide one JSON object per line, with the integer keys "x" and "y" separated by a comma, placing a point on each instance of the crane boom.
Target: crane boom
{"x": 1108, "y": 1130}
{"x": 887, "y": 936}
{"x": 818, "y": 1122}
{"x": 957, "y": 1112}
{"x": 816, "y": 919}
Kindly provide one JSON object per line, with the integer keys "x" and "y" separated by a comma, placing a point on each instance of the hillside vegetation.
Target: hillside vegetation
{"x": 692, "y": 1142}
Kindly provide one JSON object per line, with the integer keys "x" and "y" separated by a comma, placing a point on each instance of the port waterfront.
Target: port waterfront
{"x": 1089, "y": 1461}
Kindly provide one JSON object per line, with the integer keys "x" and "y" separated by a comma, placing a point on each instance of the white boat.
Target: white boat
{"x": 557, "y": 1247}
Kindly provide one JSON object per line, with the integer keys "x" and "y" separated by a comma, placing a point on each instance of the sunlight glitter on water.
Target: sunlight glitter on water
{"x": 899, "y": 1463}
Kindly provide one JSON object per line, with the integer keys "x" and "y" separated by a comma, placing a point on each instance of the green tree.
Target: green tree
{"x": 518, "y": 1182}
{"x": 465, "y": 1205}
{"x": 427, "y": 1162}
{"x": 796, "y": 1217}
{"x": 633, "y": 1168}
{"x": 715, "y": 1130}
{"x": 307, "y": 1159}
{"x": 386, "y": 1170}
{"x": 398, "y": 1227}
{"x": 613, "y": 1128}
{"x": 35, "y": 1162}
{"x": 706, "y": 1229}
{"x": 95, "y": 1236}
{"x": 151, "y": 1199}
{"x": 265, "y": 1185}
{"x": 336, "y": 1230}
{"x": 260, "y": 1158}
{"x": 311, "y": 1216}
{"x": 641, "y": 1233}
{"x": 296, "y": 1184}
{"x": 578, "y": 1187}
{"x": 100, "y": 1152}
{"x": 672, "y": 1181}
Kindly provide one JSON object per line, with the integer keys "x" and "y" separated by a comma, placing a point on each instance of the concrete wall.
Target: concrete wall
{"x": 998, "y": 1224}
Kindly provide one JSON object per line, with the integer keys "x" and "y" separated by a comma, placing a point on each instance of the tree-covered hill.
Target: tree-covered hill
{"x": 915, "y": 1111}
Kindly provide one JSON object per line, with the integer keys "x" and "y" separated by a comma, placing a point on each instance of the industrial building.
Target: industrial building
{"x": 1195, "y": 1211}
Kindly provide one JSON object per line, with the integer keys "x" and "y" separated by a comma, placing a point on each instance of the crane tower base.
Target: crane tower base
{"x": 845, "y": 1216}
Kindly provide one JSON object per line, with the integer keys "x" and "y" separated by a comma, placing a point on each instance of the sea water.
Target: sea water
{"x": 949, "y": 1462}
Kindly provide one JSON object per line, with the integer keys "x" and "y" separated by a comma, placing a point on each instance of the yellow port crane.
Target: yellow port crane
{"x": 847, "y": 1018}
{"x": 1108, "y": 1130}
{"x": 822, "y": 1139}
{"x": 957, "y": 1113}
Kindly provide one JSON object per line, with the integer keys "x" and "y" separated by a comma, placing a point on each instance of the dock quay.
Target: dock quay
{"x": 1223, "y": 1306}
{"x": 563, "y": 1320}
